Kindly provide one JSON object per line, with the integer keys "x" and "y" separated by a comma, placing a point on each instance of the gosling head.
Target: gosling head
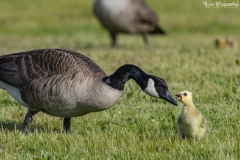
{"x": 220, "y": 42}
{"x": 184, "y": 96}
{"x": 157, "y": 87}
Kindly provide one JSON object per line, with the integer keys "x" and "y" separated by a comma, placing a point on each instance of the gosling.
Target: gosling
{"x": 226, "y": 42}
{"x": 191, "y": 123}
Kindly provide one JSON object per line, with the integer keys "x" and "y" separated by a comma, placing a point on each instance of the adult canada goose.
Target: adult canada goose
{"x": 68, "y": 84}
{"x": 191, "y": 123}
{"x": 127, "y": 16}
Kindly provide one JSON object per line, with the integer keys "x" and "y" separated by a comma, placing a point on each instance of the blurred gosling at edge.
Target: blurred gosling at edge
{"x": 191, "y": 123}
{"x": 226, "y": 42}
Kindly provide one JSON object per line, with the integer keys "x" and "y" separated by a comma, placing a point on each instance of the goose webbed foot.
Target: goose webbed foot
{"x": 28, "y": 119}
{"x": 66, "y": 124}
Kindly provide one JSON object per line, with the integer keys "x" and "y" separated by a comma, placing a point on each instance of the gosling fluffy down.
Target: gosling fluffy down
{"x": 191, "y": 123}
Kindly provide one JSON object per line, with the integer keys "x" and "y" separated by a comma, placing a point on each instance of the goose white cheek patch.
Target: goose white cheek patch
{"x": 150, "y": 89}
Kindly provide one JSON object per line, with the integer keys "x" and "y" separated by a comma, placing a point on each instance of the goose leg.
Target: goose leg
{"x": 145, "y": 39}
{"x": 28, "y": 119}
{"x": 183, "y": 137}
{"x": 66, "y": 124}
{"x": 113, "y": 38}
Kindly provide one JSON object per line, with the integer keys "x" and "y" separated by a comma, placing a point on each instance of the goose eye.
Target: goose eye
{"x": 158, "y": 85}
{"x": 185, "y": 94}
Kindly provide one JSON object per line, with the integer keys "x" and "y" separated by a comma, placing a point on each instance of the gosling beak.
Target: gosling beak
{"x": 179, "y": 97}
{"x": 168, "y": 97}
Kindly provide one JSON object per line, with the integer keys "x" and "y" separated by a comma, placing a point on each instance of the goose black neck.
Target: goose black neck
{"x": 118, "y": 79}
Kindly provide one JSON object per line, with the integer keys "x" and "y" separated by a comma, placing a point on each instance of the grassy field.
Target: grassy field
{"x": 138, "y": 126}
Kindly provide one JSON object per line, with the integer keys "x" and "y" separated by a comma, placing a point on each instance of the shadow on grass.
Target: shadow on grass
{"x": 13, "y": 126}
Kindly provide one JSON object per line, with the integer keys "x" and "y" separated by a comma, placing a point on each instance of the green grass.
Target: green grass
{"x": 138, "y": 126}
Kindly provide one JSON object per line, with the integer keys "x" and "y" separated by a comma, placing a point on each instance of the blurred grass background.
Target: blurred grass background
{"x": 138, "y": 126}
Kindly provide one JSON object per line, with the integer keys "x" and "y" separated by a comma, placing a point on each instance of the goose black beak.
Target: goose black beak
{"x": 168, "y": 97}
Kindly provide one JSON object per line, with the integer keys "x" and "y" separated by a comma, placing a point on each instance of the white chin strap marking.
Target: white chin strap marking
{"x": 150, "y": 89}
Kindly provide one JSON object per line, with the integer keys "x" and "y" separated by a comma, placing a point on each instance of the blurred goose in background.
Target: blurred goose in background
{"x": 127, "y": 16}
{"x": 190, "y": 123}
{"x": 67, "y": 84}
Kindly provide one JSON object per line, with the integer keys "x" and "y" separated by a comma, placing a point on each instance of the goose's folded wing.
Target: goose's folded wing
{"x": 19, "y": 69}
{"x": 145, "y": 14}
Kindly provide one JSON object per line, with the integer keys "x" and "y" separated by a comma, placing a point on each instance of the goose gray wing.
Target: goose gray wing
{"x": 21, "y": 68}
{"x": 144, "y": 13}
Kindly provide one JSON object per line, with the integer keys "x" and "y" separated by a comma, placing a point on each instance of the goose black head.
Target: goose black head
{"x": 157, "y": 87}
{"x": 151, "y": 85}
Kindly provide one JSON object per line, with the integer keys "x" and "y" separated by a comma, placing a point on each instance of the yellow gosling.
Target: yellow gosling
{"x": 190, "y": 123}
{"x": 220, "y": 42}
{"x": 226, "y": 42}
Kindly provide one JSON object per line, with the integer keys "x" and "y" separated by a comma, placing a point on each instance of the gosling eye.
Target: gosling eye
{"x": 185, "y": 94}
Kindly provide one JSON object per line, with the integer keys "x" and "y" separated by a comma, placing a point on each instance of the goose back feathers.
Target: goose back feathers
{"x": 67, "y": 84}
{"x": 20, "y": 68}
